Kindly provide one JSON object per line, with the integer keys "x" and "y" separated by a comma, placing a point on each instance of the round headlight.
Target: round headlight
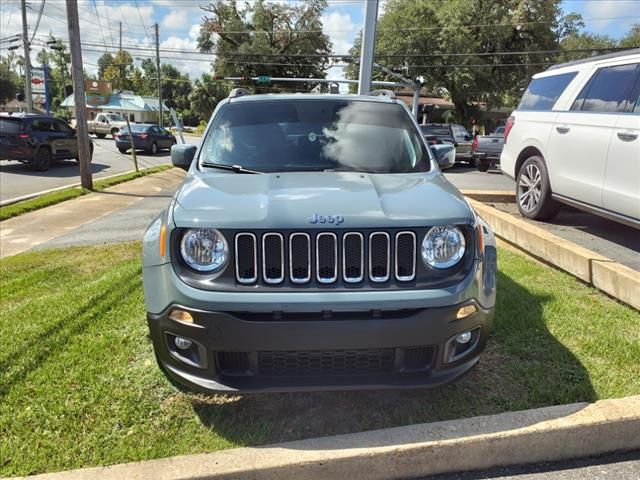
{"x": 443, "y": 247}
{"x": 204, "y": 249}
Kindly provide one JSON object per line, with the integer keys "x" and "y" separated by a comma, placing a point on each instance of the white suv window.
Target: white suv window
{"x": 608, "y": 90}
{"x": 543, "y": 93}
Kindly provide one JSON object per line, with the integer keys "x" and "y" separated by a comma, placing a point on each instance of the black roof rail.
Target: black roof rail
{"x": 382, "y": 93}
{"x": 239, "y": 92}
{"x": 623, "y": 53}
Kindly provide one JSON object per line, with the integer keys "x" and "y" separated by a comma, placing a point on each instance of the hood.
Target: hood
{"x": 318, "y": 200}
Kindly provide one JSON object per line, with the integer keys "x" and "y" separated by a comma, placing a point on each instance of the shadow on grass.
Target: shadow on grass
{"x": 56, "y": 337}
{"x": 523, "y": 367}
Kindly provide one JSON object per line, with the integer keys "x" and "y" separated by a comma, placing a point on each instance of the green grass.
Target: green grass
{"x": 52, "y": 198}
{"x": 79, "y": 385}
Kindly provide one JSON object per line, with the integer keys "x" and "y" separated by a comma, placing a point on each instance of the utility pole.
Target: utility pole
{"x": 368, "y": 45}
{"x": 120, "y": 36}
{"x": 79, "y": 98}
{"x": 27, "y": 59}
{"x": 159, "y": 76}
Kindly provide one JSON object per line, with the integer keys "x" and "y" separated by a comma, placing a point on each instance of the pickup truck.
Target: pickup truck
{"x": 106, "y": 124}
{"x": 486, "y": 149}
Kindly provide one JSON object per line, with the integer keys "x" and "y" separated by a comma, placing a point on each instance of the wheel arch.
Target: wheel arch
{"x": 524, "y": 154}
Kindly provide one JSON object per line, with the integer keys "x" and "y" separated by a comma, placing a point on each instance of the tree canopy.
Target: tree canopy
{"x": 266, "y": 38}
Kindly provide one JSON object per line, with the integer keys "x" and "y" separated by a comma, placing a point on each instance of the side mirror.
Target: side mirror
{"x": 445, "y": 155}
{"x": 182, "y": 155}
{"x": 467, "y": 137}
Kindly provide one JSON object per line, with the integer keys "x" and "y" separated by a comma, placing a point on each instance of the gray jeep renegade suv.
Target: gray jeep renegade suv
{"x": 315, "y": 245}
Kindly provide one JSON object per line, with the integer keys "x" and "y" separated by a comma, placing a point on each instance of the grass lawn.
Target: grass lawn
{"x": 58, "y": 196}
{"x": 79, "y": 385}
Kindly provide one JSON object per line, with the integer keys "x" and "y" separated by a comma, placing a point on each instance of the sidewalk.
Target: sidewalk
{"x": 31, "y": 229}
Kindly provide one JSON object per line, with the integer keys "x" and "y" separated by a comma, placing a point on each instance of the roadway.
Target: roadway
{"x": 18, "y": 179}
{"x": 618, "y": 466}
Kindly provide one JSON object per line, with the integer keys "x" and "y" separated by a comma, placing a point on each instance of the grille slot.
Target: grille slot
{"x": 379, "y": 255}
{"x": 246, "y": 258}
{"x": 234, "y": 363}
{"x": 405, "y": 256}
{"x": 326, "y": 362}
{"x": 273, "y": 258}
{"x": 418, "y": 359}
{"x": 353, "y": 257}
{"x": 326, "y": 257}
{"x": 299, "y": 257}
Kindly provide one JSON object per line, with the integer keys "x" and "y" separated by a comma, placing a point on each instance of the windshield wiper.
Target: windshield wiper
{"x": 233, "y": 168}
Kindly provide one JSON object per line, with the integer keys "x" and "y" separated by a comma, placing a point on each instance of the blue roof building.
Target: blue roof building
{"x": 140, "y": 108}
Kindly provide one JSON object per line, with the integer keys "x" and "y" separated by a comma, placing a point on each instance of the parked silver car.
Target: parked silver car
{"x": 315, "y": 244}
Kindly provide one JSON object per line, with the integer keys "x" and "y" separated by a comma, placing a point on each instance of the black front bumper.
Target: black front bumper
{"x": 245, "y": 352}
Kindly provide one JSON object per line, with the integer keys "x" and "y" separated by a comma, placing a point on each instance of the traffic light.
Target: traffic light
{"x": 245, "y": 79}
{"x": 218, "y": 77}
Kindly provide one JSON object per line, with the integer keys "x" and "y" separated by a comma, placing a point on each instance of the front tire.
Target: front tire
{"x": 114, "y": 131}
{"x": 123, "y": 150}
{"x": 154, "y": 148}
{"x": 533, "y": 191}
{"x": 42, "y": 160}
{"x": 101, "y": 135}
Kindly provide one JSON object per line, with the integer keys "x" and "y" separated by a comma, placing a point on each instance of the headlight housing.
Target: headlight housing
{"x": 443, "y": 247}
{"x": 204, "y": 249}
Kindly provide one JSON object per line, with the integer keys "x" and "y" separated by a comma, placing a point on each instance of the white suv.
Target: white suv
{"x": 575, "y": 139}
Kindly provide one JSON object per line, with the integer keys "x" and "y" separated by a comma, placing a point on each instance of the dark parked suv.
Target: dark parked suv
{"x": 36, "y": 139}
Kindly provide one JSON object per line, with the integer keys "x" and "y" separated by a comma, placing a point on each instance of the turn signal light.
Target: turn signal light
{"x": 466, "y": 311}
{"x": 163, "y": 238}
{"x": 181, "y": 316}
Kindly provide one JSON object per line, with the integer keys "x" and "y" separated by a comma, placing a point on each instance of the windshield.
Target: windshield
{"x": 135, "y": 128}
{"x": 315, "y": 135}
{"x": 116, "y": 118}
{"x": 435, "y": 130}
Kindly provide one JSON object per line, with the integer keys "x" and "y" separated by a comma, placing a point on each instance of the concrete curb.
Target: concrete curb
{"x": 540, "y": 435}
{"x": 491, "y": 196}
{"x": 617, "y": 280}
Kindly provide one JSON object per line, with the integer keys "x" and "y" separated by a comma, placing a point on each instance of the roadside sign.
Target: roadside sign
{"x": 263, "y": 79}
{"x": 37, "y": 80}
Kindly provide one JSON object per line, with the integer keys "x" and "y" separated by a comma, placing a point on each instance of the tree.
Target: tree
{"x": 459, "y": 45}
{"x": 104, "y": 61}
{"x": 265, "y": 38}
{"x": 206, "y": 94}
{"x": 9, "y": 80}
{"x": 120, "y": 71}
{"x": 632, "y": 39}
{"x": 580, "y": 45}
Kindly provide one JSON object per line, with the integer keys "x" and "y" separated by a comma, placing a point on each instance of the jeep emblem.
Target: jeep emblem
{"x": 315, "y": 218}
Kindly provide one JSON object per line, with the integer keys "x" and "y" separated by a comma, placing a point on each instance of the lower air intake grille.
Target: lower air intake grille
{"x": 326, "y": 362}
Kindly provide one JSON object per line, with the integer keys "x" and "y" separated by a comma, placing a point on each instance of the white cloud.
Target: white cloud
{"x": 175, "y": 19}
{"x": 340, "y": 29}
{"x": 610, "y": 12}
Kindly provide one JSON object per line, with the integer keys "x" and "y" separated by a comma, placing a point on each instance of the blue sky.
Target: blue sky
{"x": 179, "y": 22}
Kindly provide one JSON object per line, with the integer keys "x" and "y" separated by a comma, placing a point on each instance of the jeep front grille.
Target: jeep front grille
{"x": 325, "y": 257}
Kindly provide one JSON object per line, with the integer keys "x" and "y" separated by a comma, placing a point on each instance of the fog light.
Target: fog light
{"x": 181, "y": 316}
{"x": 461, "y": 339}
{"x": 183, "y": 343}
{"x": 465, "y": 312}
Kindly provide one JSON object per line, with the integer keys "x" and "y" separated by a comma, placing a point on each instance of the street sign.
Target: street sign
{"x": 264, "y": 79}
